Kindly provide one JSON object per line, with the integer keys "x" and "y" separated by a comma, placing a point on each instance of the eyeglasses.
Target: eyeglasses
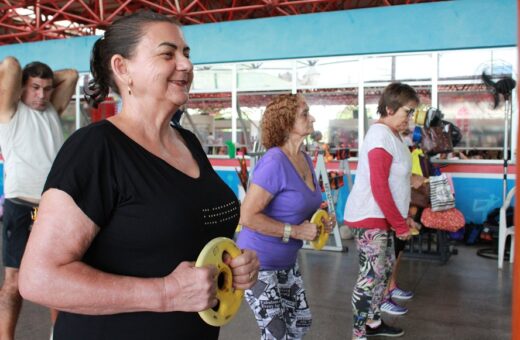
{"x": 409, "y": 111}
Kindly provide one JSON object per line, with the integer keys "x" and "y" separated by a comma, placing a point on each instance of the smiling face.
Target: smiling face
{"x": 37, "y": 93}
{"x": 160, "y": 67}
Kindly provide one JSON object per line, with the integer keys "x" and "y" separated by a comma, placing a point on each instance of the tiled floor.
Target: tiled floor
{"x": 467, "y": 298}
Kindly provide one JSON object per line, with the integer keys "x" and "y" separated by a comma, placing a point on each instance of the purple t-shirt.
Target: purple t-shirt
{"x": 293, "y": 202}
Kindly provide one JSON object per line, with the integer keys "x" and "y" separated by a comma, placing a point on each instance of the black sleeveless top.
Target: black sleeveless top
{"x": 151, "y": 218}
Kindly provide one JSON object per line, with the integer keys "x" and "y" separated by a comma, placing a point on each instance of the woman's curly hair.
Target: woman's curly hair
{"x": 278, "y": 120}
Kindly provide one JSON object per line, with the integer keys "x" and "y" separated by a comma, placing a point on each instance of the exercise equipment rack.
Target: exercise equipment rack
{"x": 334, "y": 242}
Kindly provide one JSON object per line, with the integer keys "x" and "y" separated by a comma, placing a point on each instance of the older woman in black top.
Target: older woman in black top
{"x": 131, "y": 201}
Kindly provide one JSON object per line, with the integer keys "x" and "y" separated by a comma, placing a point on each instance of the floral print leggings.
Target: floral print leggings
{"x": 279, "y": 303}
{"x": 376, "y": 259}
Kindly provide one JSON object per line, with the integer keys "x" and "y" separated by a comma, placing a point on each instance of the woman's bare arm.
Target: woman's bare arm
{"x": 251, "y": 216}
{"x": 52, "y": 273}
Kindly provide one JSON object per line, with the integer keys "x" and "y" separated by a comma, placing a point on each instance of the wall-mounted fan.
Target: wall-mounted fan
{"x": 502, "y": 89}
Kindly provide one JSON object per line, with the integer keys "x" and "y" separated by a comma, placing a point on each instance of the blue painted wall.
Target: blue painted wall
{"x": 431, "y": 26}
{"x": 230, "y": 178}
{"x": 457, "y": 24}
{"x": 474, "y": 197}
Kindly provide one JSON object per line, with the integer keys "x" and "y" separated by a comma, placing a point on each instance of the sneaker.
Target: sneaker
{"x": 384, "y": 330}
{"x": 398, "y": 293}
{"x": 390, "y": 307}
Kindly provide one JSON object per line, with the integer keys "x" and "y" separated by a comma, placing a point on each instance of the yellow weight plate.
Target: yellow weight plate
{"x": 229, "y": 298}
{"x": 323, "y": 236}
{"x": 419, "y": 117}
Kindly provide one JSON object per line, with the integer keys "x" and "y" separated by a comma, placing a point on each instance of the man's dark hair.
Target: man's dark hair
{"x": 36, "y": 70}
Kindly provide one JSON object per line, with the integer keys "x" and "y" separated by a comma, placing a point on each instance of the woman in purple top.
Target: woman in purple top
{"x": 283, "y": 195}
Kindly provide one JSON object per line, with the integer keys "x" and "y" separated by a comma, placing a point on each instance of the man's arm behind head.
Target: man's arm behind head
{"x": 64, "y": 87}
{"x": 10, "y": 87}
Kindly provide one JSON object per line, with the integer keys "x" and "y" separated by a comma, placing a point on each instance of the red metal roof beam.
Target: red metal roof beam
{"x": 55, "y": 16}
{"x": 273, "y": 5}
{"x": 209, "y": 14}
{"x": 13, "y": 27}
{"x": 171, "y": 11}
{"x": 92, "y": 13}
{"x": 304, "y": 2}
{"x": 21, "y": 17}
{"x": 119, "y": 9}
{"x": 230, "y": 14}
{"x": 68, "y": 16}
{"x": 189, "y": 7}
{"x": 224, "y": 10}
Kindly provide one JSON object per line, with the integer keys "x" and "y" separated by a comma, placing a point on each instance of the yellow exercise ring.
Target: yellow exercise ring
{"x": 229, "y": 298}
{"x": 419, "y": 117}
{"x": 323, "y": 236}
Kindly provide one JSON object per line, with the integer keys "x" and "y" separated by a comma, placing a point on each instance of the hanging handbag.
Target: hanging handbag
{"x": 421, "y": 196}
{"x": 448, "y": 220}
{"x": 441, "y": 196}
{"x": 426, "y": 166}
{"x": 437, "y": 139}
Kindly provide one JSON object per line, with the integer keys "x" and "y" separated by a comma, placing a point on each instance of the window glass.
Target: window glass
{"x": 413, "y": 67}
{"x": 503, "y": 62}
{"x": 87, "y": 114}
{"x": 212, "y": 78}
{"x": 210, "y": 119}
{"x": 377, "y": 69}
{"x": 252, "y": 106}
{"x": 330, "y": 86}
{"x": 68, "y": 119}
{"x": 327, "y": 72}
{"x": 463, "y": 64}
{"x": 400, "y": 68}
{"x": 336, "y": 114}
{"x": 470, "y": 108}
{"x": 469, "y": 104}
{"x": 263, "y": 75}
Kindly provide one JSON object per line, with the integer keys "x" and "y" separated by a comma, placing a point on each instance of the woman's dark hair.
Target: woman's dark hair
{"x": 121, "y": 37}
{"x": 395, "y": 96}
{"x": 36, "y": 70}
{"x": 278, "y": 119}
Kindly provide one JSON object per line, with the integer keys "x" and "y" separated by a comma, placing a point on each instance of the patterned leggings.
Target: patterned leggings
{"x": 279, "y": 303}
{"x": 376, "y": 260}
